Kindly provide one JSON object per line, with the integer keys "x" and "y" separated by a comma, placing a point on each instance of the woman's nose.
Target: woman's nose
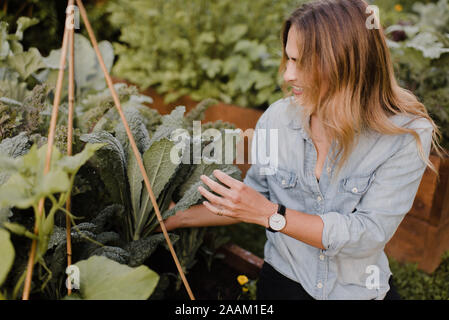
{"x": 290, "y": 72}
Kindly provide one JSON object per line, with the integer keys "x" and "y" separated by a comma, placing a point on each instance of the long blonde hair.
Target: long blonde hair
{"x": 352, "y": 86}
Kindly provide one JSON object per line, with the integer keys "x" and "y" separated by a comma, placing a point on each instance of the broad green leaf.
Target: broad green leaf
{"x": 4, "y": 43}
{"x": 5, "y": 213}
{"x": 88, "y": 75}
{"x": 111, "y": 163}
{"x": 160, "y": 169}
{"x": 24, "y": 23}
{"x": 52, "y": 61}
{"x": 137, "y": 127}
{"x": 135, "y": 180}
{"x": 27, "y": 182}
{"x": 7, "y": 166}
{"x": 141, "y": 249}
{"x": 16, "y": 192}
{"x": 26, "y": 63}
{"x": 197, "y": 113}
{"x": 428, "y": 44}
{"x": 71, "y": 164}
{"x": 15, "y": 146}
{"x": 191, "y": 196}
{"x": 104, "y": 279}
{"x": 116, "y": 254}
{"x": 233, "y": 33}
{"x": 54, "y": 181}
{"x": 7, "y": 254}
{"x": 211, "y": 66}
{"x": 171, "y": 122}
{"x": 15, "y": 90}
{"x": 206, "y": 37}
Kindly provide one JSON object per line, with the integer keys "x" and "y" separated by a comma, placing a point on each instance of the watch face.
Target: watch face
{"x": 277, "y": 222}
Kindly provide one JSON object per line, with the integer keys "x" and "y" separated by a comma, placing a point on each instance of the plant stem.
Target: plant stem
{"x": 19, "y": 285}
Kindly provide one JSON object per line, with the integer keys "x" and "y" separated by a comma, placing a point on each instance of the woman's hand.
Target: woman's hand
{"x": 238, "y": 201}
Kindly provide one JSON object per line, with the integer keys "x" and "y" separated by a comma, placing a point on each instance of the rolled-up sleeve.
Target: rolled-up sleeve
{"x": 382, "y": 208}
{"x": 254, "y": 177}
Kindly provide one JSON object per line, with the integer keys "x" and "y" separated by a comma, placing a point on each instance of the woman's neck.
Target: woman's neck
{"x": 317, "y": 130}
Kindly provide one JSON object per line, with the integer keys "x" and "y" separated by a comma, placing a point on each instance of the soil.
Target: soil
{"x": 218, "y": 283}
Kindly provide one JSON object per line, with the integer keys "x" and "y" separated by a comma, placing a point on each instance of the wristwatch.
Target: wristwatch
{"x": 276, "y": 222}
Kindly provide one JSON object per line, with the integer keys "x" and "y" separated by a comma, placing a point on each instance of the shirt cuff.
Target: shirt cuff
{"x": 334, "y": 235}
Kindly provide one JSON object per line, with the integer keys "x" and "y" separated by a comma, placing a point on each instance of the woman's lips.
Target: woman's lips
{"x": 297, "y": 91}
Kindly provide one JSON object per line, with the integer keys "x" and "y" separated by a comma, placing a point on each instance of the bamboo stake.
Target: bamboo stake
{"x": 50, "y": 141}
{"x": 132, "y": 142}
{"x": 70, "y": 136}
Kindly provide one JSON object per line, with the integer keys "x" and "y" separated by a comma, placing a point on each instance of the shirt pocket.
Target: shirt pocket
{"x": 285, "y": 179}
{"x": 282, "y": 186}
{"x": 351, "y": 189}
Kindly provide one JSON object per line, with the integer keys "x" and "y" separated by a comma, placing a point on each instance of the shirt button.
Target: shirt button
{"x": 321, "y": 257}
{"x": 354, "y": 190}
{"x": 284, "y": 182}
{"x": 328, "y": 169}
{"x": 319, "y": 285}
{"x": 318, "y": 198}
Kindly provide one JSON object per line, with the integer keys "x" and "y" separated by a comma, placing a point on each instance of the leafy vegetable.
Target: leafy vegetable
{"x": 104, "y": 279}
{"x": 27, "y": 184}
{"x": 7, "y": 253}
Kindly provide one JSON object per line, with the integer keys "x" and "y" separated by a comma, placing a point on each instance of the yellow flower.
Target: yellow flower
{"x": 242, "y": 279}
{"x": 245, "y": 289}
{"x": 398, "y": 8}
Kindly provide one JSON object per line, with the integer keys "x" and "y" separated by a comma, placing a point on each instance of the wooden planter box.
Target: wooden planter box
{"x": 423, "y": 235}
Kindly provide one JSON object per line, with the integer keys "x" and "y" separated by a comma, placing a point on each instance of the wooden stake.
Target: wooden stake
{"x": 133, "y": 143}
{"x": 50, "y": 141}
{"x": 70, "y": 136}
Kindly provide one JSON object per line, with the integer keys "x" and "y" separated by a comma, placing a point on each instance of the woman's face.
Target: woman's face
{"x": 292, "y": 74}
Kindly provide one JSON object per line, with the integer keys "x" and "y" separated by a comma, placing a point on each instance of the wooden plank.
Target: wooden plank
{"x": 418, "y": 241}
{"x": 408, "y": 244}
{"x": 437, "y": 243}
{"x": 242, "y": 260}
{"x": 439, "y": 214}
{"x": 424, "y": 200}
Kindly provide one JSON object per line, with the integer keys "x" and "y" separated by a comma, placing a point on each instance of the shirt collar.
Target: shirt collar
{"x": 295, "y": 124}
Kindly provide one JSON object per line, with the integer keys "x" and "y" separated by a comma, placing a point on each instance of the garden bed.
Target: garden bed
{"x": 217, "y": 282}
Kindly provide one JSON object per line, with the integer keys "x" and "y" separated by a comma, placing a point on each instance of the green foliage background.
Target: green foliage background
{"x": 225, "y": 49}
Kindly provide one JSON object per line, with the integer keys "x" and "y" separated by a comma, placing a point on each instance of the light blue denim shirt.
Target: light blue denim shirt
{"x": 361, "y": 209}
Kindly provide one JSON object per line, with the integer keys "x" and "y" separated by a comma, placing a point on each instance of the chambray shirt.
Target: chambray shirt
{"x": 361, "y": 209}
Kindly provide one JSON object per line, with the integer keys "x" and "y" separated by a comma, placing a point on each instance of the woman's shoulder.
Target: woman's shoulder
{"x": 411, "y": 121}
{"x": 282, "y": 113}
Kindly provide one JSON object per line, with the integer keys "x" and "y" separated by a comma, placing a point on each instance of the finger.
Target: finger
{"x": 216, "y": 210}
{"x": 218, "y": 188}
{"x": 216, "y": 200}
{"x": 226, "y": 179}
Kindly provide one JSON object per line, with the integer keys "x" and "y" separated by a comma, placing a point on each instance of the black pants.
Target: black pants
{"x": 273, "y": 285}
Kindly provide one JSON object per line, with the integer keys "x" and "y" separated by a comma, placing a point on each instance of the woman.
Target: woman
{"x": 352, "y": 149}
